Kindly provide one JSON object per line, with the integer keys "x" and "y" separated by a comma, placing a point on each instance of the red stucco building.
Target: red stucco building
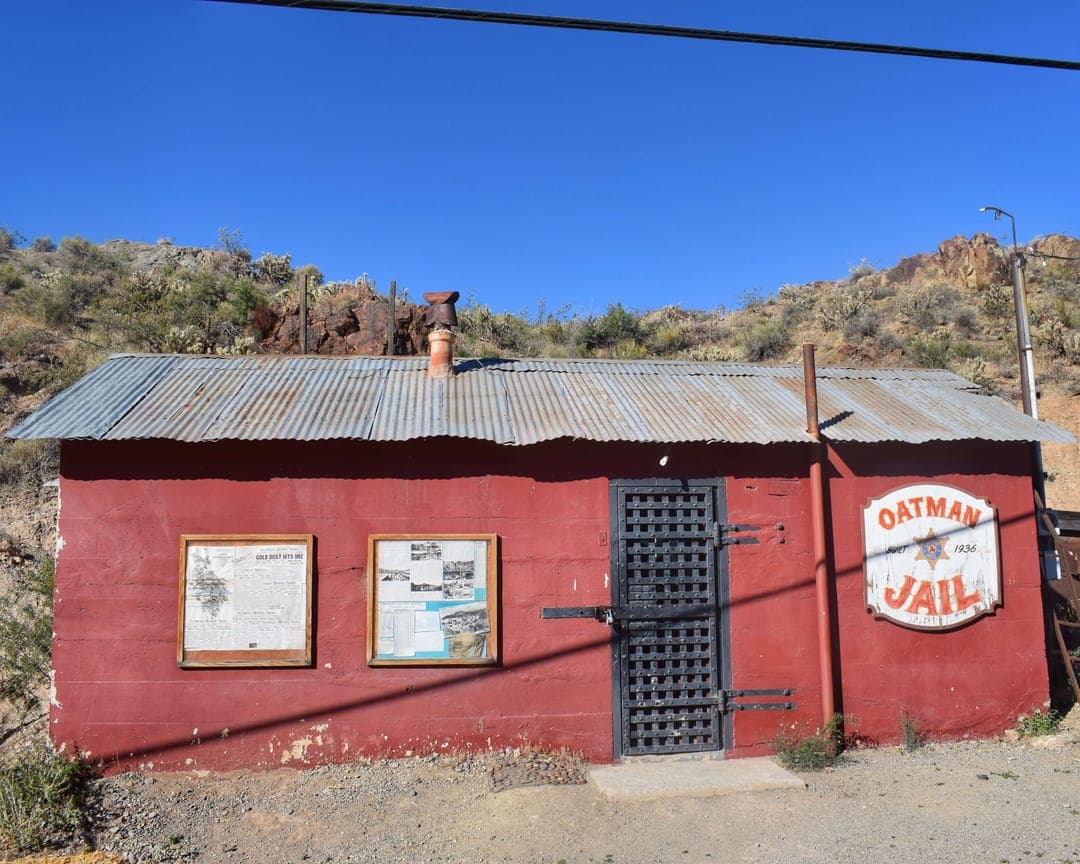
{"x": 677, "y": 497}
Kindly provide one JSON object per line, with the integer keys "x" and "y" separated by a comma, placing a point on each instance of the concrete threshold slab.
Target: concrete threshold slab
{"x": 690, "y": 777}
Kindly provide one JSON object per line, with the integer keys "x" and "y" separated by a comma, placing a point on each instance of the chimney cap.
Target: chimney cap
{"x": 437, "y": 298}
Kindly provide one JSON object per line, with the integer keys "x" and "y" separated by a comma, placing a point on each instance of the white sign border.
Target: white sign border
{"x": 990, "y": 609}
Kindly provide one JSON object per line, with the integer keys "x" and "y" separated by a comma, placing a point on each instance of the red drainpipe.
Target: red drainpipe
{"x": 822, "y": 578}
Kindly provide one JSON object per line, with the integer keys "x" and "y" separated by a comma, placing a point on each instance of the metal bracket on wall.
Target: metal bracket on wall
{"x": 727, "y": 703}
{"x": 612, "y": 614}
{"x": 725, "y": 535}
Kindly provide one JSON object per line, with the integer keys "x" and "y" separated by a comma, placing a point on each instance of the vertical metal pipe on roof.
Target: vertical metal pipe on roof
{"x": 822, "y": 577}
{"x": 301, "y": 284}
{"x": 391, "y": 348}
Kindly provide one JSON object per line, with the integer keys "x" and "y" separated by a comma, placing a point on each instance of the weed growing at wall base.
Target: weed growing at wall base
{"x": 1037, "y": 723}
{"x": 40, "y": 800}
{"x": 911, "y": 737}
{"x": 801, "y": 752}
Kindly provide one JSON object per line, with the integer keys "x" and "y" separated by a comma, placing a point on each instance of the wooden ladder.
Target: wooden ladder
{"x": 1065, "y": 601}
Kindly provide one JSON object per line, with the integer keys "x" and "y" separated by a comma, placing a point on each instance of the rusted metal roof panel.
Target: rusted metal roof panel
{"x": 541, "y": 409}
{"x": 187, "y": 398}
{"x": 919, "y": 410}
{"x": 97, "y": 401}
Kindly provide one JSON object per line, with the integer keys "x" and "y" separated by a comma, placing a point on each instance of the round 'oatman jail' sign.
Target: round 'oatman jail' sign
{"x": 931, "y": 557}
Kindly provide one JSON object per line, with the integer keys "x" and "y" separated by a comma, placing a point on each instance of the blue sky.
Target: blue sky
{"x": 521, "y": 166}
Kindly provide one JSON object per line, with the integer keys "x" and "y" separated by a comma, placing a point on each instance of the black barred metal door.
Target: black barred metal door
{"x": 668, "y": 563}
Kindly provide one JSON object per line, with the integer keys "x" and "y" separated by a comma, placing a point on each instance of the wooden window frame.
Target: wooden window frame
{"x": 490, "y": 599}
{"x": 245, "y": 657}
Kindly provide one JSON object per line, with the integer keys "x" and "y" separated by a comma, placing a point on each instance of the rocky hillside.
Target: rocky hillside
{"x": 64, "y": 307}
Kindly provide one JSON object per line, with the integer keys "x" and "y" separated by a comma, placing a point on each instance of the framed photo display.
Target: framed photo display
{"x": 245, "y": 600}
{"x": 433, "y": 599}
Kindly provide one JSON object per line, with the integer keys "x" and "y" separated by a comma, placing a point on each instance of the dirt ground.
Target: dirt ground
{"x": 995, "y": 801}
{"x": 1062, "y": 461}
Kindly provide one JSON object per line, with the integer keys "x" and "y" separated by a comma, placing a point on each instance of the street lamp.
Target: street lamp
{"x": 1048, "y": 558}
{"x": 1023, "y": 328}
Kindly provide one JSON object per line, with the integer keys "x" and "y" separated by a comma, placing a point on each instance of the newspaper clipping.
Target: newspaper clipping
{"x": 245, "y": 597}
{"x": 431, "y": 599}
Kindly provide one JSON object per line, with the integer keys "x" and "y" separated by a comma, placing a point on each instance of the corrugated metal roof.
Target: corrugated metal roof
{"x": 186, "y": 398}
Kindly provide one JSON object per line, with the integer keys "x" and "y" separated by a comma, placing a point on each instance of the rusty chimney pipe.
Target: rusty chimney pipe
{"x": 442, "y": 318}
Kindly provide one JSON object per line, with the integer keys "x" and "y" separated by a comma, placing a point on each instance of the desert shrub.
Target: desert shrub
{"x": 930, "y": 350}
{"x": 1067, "y": 310}
{"x": 667, "y": 341}
{"x": 275, "y": 269}
{"x": 626, "y": 349}
{"x": 803, "y": 297}
{"x": 839, "y": 307}
{"x": 865, "y": 325}
{"x": 925, "y": 308}
{"x": 137, "y": 313}
{"x": 42, "y": 244}
{"x": 10, "y": 278}
{"x": 616, "y": 325}
{"x": 487, "y": 333}
{"x": 48, "y": 304}
{"x": 1059, "y": 339}
{"x": 714, "y": 354}
{"x": 79, "y": 255}
{"x": 965, "y": 349}
{"x": 1070, "y": 384}
{"x": 974, "y": 369}
{"x": 186, "y": 311}
{"x": 1063, "y": 297}
{"x": 314, "y": 275}
{"x": 858, "y": 271}
{"x": 231, "y": 241}
{"x": 798, "y": 751}
{"x": 26, "y": 641}
{"x": 792, "y": 317}
{"x": 752, "y": 298}
{"x": 994, "y": 299}
{"x": 21, "y": 338}
{"x": 9, "y": 240}
{"x": 966, "y": 320}
{"x": 40, "y": 799}
{"x": 710, "y": 330}
{"x": 887, "y": 341}
{"x": 767, "y": 340}
{"x": 27, "y": 463}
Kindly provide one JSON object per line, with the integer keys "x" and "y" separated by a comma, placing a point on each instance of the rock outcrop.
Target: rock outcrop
{"x": 352, "y": 320}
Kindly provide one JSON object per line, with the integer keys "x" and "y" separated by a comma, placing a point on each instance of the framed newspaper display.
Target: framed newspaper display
{"x": 245, "y": 600}
{"x": 433, "y": 599}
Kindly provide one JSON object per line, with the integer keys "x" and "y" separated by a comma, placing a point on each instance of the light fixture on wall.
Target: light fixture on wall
{"x": 665, "y": 458}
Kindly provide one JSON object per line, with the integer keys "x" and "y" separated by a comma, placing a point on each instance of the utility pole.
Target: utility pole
{"x": 1026, "y": 361}
{"x": 1023, "y": 327}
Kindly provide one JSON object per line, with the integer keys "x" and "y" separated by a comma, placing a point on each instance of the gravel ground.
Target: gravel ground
{"x": 992, "y": 802}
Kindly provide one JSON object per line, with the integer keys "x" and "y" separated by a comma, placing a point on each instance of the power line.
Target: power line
{"x": 604, "y": 26}
{"x": 1030, "y": 251}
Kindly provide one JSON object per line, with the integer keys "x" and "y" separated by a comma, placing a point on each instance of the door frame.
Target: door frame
{"x": 719, "y": 485}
